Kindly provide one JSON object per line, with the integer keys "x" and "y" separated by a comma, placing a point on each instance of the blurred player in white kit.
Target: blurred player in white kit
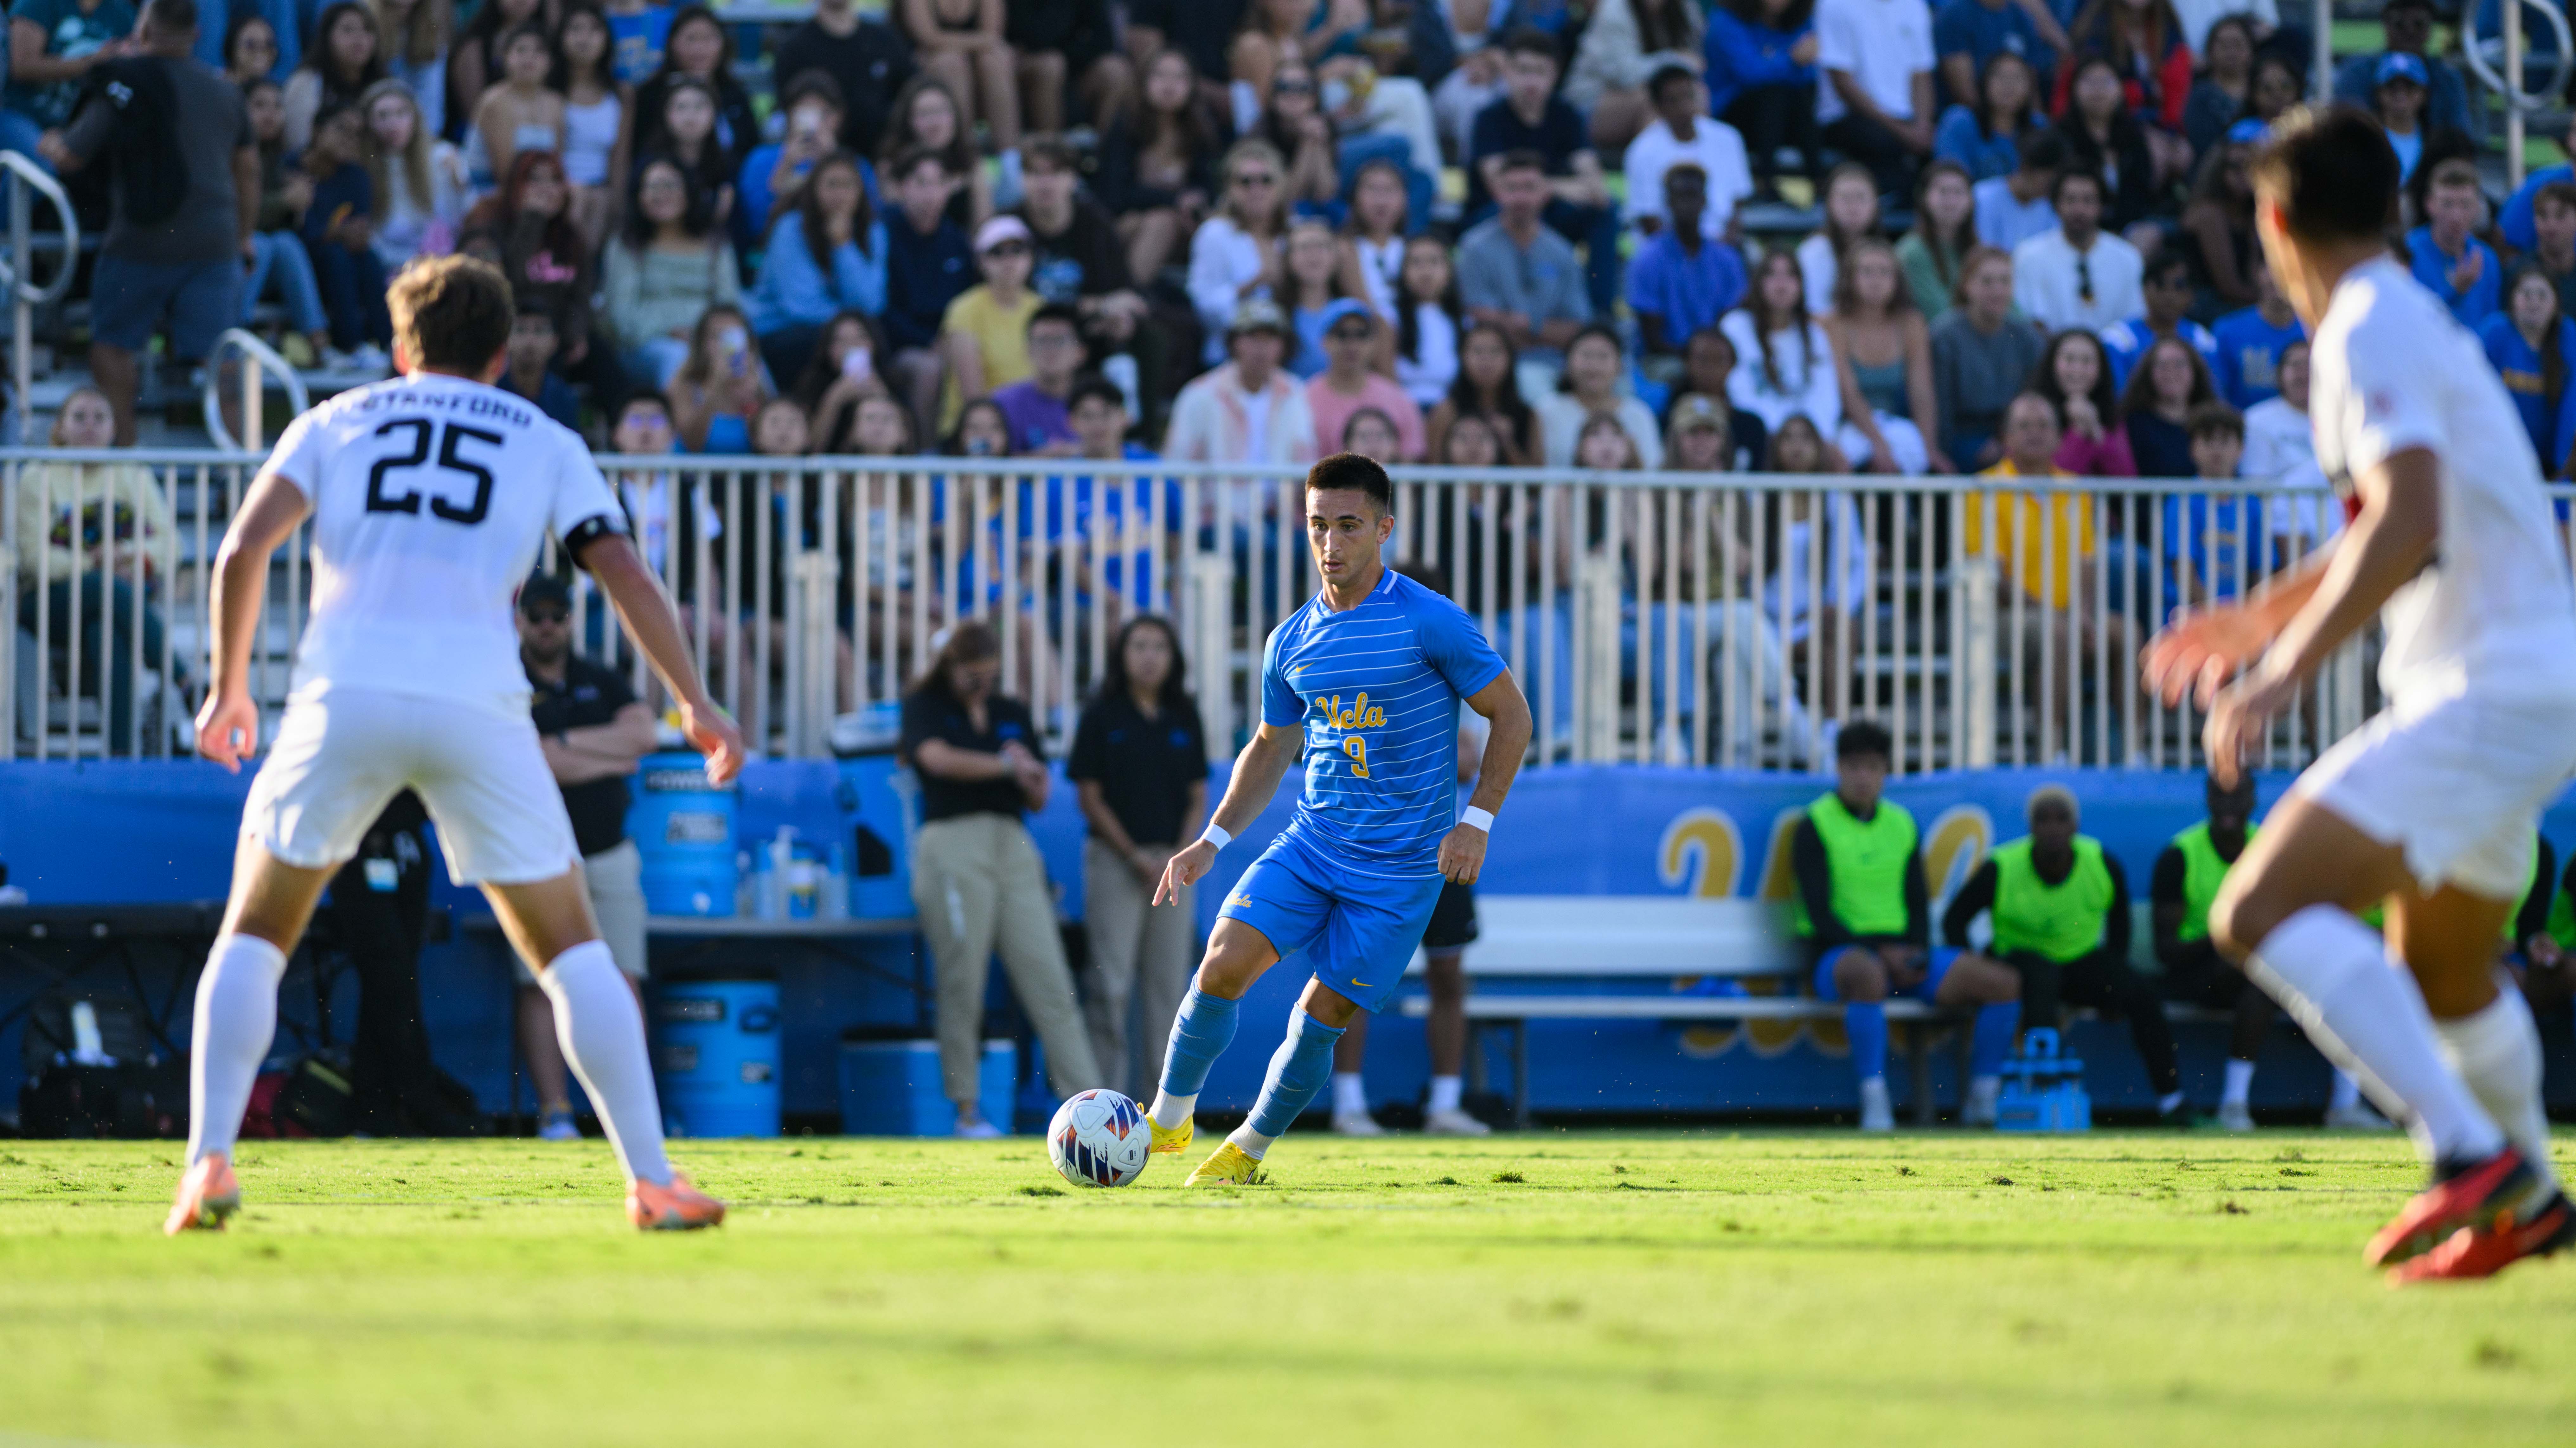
{"x": 430, "y": 495}
{"x": 2433, "y": 804}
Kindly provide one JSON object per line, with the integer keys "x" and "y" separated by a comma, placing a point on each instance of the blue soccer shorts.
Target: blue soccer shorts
{"x": 1359, "y": 931}
{"x": 1936, "y": 964}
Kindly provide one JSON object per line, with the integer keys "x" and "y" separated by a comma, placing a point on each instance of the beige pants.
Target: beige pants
{"x": 978, "y": 883}
{"x": 1138, "y": 949}
{"x": 615, "y": 879}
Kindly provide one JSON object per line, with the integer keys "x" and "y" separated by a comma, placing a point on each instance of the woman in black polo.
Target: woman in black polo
{"x": 1140, "y": 767}
{"x": 976, "y": 877}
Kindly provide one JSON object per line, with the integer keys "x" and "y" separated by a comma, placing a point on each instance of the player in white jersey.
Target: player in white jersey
{"x": 430, "y": 495}
{"x": 2433, "y": 804}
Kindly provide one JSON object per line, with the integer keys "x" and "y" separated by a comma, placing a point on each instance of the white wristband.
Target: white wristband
{"x": 1216, "y": 836}
{"x": 1482, "y": 819}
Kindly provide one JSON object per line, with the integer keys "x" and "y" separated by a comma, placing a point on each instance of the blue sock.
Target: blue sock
{"x": 1865, "y": 1024}
{"x": 1200, "y": 1033}
{"x": 1300, "y": 1069}
{"x": 1993, "y": 1038}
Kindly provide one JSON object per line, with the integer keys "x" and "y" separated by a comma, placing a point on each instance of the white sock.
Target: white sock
{"x": 2169, "y": 1102}
{"x": 1251, "y": 1142}
{"x": 236, "y": 1019}
{"x": 2332, "y": 975}
{"x": 1170, "y": 1110}
{"x": 2240, "y": 1083}
{"x": 1446, "y": 1092}
{"x": 602, "y": 1035}
{"x": 2346, "y": 1093}
{"x": 2497, "y": 1051}
{"x": 1350, "y": 1094}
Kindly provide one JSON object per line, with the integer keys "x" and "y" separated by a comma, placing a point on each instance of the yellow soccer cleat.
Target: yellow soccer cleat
{"x": 1229, "y": 1166}
{"x": 1170, "y": 1140}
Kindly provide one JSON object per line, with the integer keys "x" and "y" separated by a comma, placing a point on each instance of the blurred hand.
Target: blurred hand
{"x": 2238, "y": 719}
{"x": 228, "y": 729}
{"x": 1187, "y": 868}
{"x": 1462, "y": 854}
{"x": 1149, "y": 864}
{"x": 1804, "y": 52}
{"x": 2196, "y": 652}
{"x": 713, "y": 733}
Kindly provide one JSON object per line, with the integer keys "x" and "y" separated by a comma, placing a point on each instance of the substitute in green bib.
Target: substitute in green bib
{"x": 2185, "y": 883}
{"x": 2060, "y": 908}
{"x": 1866, "y": 923}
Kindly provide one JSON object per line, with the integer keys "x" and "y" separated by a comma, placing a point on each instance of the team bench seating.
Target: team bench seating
{"x": 1610, "y": 937}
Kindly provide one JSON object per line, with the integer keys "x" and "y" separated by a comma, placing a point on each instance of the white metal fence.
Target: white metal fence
{"x": 1680, "y": 619}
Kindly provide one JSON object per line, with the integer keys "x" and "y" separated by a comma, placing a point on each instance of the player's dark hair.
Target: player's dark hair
{"x": 2214, "y": 419}
{"x": 1093, "y": 385}
{"x": 1175, "y": 693}
{"x": 452, "y": 313}
{"x": 1862, "y": 739}
{"x": 1350, "y": 470}
{"x": 969, "y": 641}
{"x": 2331, "y": 171}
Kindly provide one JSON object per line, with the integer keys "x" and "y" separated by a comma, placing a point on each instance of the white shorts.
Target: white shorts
{"x": 340, "y": 756}
{"x": 2459, "y": 785}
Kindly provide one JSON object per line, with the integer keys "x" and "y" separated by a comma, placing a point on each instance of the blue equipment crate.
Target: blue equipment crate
{"x": 2043, "y": 1089}
{"x": 684, "y": 829}
{"x": 880, "y": 809}
{"x": 893, "y": 1088}
{"x": 716, "y": 1056}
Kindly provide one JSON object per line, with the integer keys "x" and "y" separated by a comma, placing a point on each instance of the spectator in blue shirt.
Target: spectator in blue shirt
{"x": 1532, "y": 117}
{"x": 339, "y": 235}
{"x": 1966, "y": 34}
{"x": 928, "y": 266}
{"x": 1681, "y": 281}
{"x": 2407, "y": 26}
{"x": 1762, "y": 81}
{"x": 2530, "y": 343}
{"x": 532, "y": 347}
{"x": 826, "y": 256}
{"x": 1984, "y": 136}
{"x": 812, "y": 105}
{"x": 2250, "y": 344}
{"x": 2168, "y": 292}
{"x": 2515, "y": 224}
{"x": 2454, "y": 265}
{"x": 2014, "y": 207}
{"x": 2213, "y": 544}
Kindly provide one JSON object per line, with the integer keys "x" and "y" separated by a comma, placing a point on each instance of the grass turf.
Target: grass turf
{"x": 1548, "y": 1288}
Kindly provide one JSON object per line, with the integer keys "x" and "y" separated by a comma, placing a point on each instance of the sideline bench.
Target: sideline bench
{"x": 1613, "y": 937}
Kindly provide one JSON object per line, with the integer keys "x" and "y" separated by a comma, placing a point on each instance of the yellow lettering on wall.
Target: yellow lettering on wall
{"x": 1958, "y": 844}
{"x": 1779, "y": 877}
{"x": 1702, "y": 852}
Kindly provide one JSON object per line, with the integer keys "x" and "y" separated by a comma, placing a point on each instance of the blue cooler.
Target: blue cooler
{"x": 892, "y": 1087}
{"x": 715, "y": 1054}
{"x": 880, "y": 807}
{"x": 2043, "y": 1090}
{"x": 684, "y": 828}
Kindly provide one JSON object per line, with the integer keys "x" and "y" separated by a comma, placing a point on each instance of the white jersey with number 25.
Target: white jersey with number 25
{"x": 2494, "y": 613}
{"x": 431, "y": 495}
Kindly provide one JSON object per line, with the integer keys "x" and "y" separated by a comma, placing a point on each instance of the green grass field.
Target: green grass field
{"x": 1550, "y": 1288}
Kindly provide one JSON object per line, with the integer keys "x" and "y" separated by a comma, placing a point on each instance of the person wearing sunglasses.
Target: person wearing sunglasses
{"x": 2078, "y": 275}
{"x": 1346, "y": 387}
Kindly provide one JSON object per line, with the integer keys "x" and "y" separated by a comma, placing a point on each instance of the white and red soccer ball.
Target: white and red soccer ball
{"x": 1099, "y": 1139}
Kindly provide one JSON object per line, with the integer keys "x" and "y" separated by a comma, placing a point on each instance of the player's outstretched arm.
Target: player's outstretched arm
{"x": 2387, "y": 545}
{"x": 2196, "y": 652}
{"x": 1509, "y": 727}
{"x": 1257, "y": 772}
{"x": 228, "y": 722}
{"x": 646, "y": 611}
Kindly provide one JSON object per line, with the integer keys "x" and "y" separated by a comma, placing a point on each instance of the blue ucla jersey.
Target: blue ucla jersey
{"x": 1377, "y": 689}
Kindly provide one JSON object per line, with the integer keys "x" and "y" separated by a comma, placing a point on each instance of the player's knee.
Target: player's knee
{"x": 2238, "y": 921}
{"x": 1860, "y": 977}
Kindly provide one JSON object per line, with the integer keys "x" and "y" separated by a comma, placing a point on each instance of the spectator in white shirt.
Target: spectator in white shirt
{"x": 1249, "y": 410}
{"x": 1784, "y": 362}
{"x": 1876, "y": 103}
{"x": 2278, "y": 440}
{"x": 1683, "y": 131}
{"x": 2078, "y": 275}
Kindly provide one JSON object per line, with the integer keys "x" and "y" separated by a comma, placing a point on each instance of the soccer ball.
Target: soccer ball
{"x": 1099, "y": 1139}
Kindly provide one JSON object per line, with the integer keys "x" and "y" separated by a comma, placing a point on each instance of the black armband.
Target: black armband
{"x": 589, "y": 531}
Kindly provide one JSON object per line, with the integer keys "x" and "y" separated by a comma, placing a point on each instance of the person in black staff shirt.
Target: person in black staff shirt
{"x": 2061, "y": 921}
{"x": 976, "y": 877}
{"x": 869, "y": 59}
{"x": 593, "y": 730}
{"x": 377, "y": 915}
{"x": 1139, "y": 766}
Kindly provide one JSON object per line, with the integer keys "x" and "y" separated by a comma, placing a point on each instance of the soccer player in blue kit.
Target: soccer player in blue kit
{"x": 1370, "y": 672}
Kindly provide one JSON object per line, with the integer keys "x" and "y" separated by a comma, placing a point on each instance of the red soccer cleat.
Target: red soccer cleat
{"x": 2470, "y": 1254}
{"x": 207, "y": 1195}
{"x": 678, "y": 1207}
{"x": 2474, "y": 1197}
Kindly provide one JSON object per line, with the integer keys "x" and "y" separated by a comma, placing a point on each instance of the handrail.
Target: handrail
{"x": 18, "y": 164}
{"x": 262, "y": 358}
{"x": 2527, "y": 98}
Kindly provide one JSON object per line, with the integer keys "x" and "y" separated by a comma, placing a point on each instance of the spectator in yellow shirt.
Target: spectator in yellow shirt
{"x": 2044, "y": 546}
{"x": 985, "y": 335}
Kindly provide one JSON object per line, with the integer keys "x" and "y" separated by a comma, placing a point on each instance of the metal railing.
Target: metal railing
{"x": 1677, "y": 619}
{"x": 25, "y": 175}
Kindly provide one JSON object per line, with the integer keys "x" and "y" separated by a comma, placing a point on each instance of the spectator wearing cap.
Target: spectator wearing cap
{"x": 928, "y": 264}
{"x": 827, "y": 255}
{"x": 2014, "y": 207}
{"x": 1683, "y": 279}
{"x": 186, "y": 268}
{"x": 2217, "y": 235}
{"x": 1249, "y": 410}
{"x": 2397, "y": 97}
{"x": 1346, "y": 385}
{"x": 2078, "y": 275}
{"x": 1517, "y": 276}
{"x": 1683, "y": 131}
{"x": 1036, "y": 406}
{"x": 984, "y": 337}
{"x": 2407, "y": 27}
{"x": 594, "y": 732}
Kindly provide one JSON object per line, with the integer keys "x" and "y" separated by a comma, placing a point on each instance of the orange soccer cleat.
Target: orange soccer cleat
{"x": 2473, "y": 1197}
{"x": 678, "y": 1207}
{"x": 207, "y": 1195}
{"x": 2468, "y": 1254}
